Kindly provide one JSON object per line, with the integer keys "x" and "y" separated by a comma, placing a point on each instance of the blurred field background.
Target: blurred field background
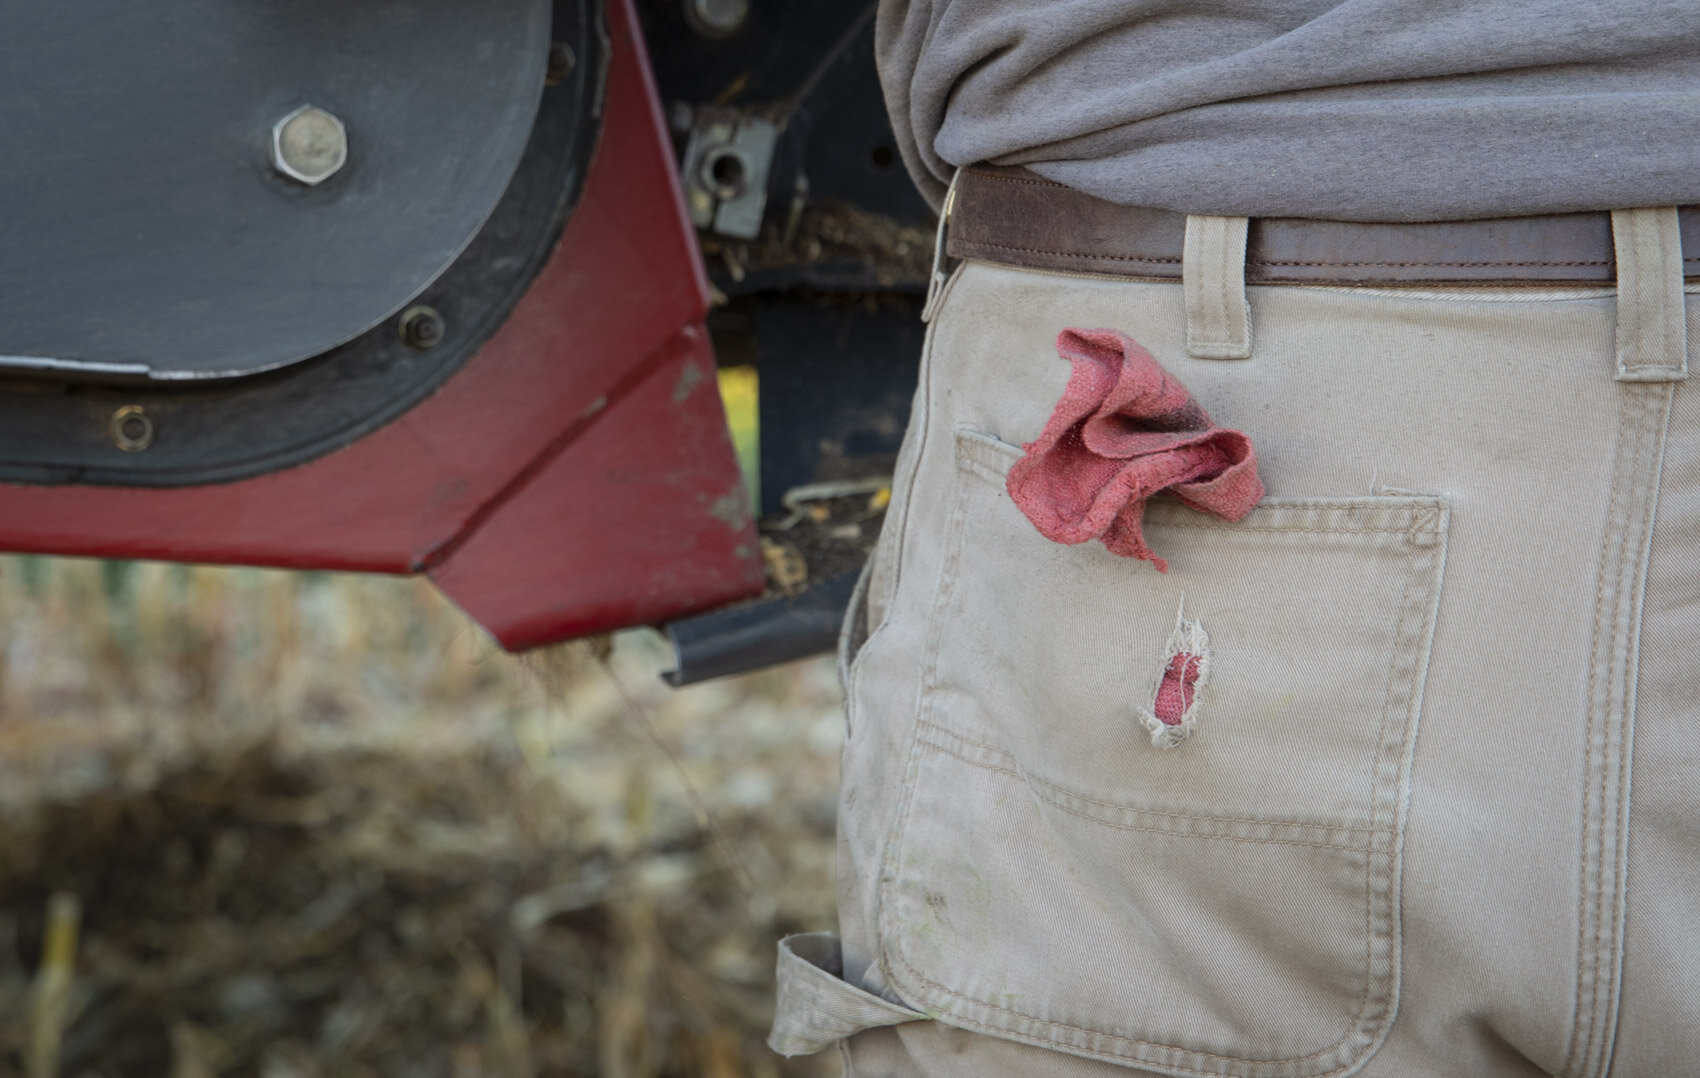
{"x": 300, "y": 825}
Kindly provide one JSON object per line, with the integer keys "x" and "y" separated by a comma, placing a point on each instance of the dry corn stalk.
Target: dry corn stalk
{"x": 50, "y": 1001}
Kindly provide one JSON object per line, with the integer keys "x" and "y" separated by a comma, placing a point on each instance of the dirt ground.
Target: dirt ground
{"x": 299, "y": 825}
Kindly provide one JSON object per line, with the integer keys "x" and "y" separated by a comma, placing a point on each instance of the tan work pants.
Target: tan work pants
{"x": 1462, "y": 628}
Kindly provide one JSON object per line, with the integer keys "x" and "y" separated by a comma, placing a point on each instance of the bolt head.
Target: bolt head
{"x": 562, "y": 60}
{"x": 309, "y": 145}
{"x": 422, "y": 327}
{"x": 130, "y": 428}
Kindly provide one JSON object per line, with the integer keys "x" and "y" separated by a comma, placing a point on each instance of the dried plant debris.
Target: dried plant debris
{"x": 830, "y": 234}
{"x": 547, "y": 866}
{"x": 826, "y": 530}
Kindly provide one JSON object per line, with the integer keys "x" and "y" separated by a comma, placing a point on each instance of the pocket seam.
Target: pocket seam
{"x": 898, "y": 518}
{"x": 1420, "y": 513}
{"x": 1061, "y": 791}
{"x": 1424, "y": 528}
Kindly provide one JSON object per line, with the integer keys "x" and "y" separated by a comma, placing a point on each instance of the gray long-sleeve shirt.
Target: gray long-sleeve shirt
{"x": 1382, "y": 110}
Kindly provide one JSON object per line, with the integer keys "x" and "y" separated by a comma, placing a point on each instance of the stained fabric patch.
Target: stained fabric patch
{"x": 1173, "y": 715}
{"x": 1124, "y": 430}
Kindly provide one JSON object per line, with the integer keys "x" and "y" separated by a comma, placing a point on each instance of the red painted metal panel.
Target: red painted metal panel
{"x": 636, "y": 522}
{"x": 622, "y": 290}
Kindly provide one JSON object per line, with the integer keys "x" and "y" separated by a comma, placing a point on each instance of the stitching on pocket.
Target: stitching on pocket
{"x": 923, "y": 698}
{"x": 1416, "y": 515}
{"x": 1424, "y": 530}
{"x": 897, "y": 517}
{"x": 943, "y": 739}
{"x": 1053, "y": 795}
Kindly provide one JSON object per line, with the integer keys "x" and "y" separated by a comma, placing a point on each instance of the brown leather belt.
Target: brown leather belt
{"x": 1013, "y": 216}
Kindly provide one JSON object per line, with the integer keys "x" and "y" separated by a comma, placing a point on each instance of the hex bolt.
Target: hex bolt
{"x": 717, "y": 18}
{"x": 422, "y": 327}
{"x": 130, "y": 428}
{"x": 562, "y": 60}
{"x": 309, "y": 145}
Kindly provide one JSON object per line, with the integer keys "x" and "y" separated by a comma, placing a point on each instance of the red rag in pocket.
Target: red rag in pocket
{"x": 1124, "y": 430}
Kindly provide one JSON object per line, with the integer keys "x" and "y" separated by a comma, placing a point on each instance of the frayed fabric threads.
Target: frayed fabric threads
{"x": 1124, "y": 430}
{"x": 1175, "y": 703}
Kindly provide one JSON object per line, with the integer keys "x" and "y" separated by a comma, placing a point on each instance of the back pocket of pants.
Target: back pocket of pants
{"x": 1228, "y": 906}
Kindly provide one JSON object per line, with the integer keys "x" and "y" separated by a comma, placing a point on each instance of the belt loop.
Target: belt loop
{"x": 1652, "y": 321}
{"x": 1218, "y": 319}
{"x": 935, "y": 283}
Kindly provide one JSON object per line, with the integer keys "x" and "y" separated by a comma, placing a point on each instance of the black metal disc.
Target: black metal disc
{"x": 145, "y": 232}
{"x": 209, "y": 431}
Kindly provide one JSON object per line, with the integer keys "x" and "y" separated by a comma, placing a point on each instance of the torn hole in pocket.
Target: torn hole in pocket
{"x": 1183, "y": 674}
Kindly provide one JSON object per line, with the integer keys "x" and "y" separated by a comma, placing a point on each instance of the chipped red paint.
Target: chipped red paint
{"x": 553, "y": 487}
{"x": 1175, "y": 692}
